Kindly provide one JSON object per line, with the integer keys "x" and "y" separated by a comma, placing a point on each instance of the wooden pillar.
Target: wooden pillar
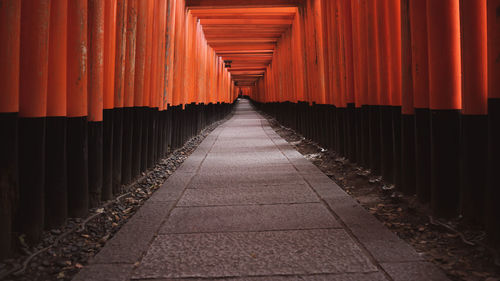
{"x": 420, "y": 75}
{"x": 407, "y": 106}
{"x": 108, "y": 97}
{"x": 139, "y": 86}
{"x": 10, "y": 35}
{"x": 395, "y": 45}
{"x": 443, "y": 22}
{"x": 33, "y": 81}
{"x": 128, "y": 95}
{"x": 493, "y": 193}
{"x": 56, "y": 194}
{"x": 146, "y": 132}
{"x": 77, "y": 139}
{"x": 119, "y": 86}
{"x": 475, "y": 108}
{"x": 385, "y": 88}
{"x": 95, "y": 99}
{"x": 373, "y": 86}
{"x": 351, "y": 115}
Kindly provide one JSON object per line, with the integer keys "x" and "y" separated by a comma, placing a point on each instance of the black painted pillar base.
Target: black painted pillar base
{"x": 493, "y": 187}
{"x": 365, "y": 135}
{"x": 117, "y": 150}
{"x": 358, "y": 127}
{"x": 445, "y": 162}
{"x": 396, "y": 125}
{"x": 161, "y": 127}
{"x": 327, "y": 127}
{"x": 56, "y": 181}
{"x": 30, "y": 219}
{"x": 78, "y": 175}
{"x": 190, "y": 120}
{"x": 375, "y": 141}
{"x": 107, "y": 163}
{"x": 351, "y": 132}
{"x": 95, "y": 163}
{"x": 165, "y": 132}
{"x": 386, "y": 144}
{"x": 342, "y": 132}
{"x": 184, "y": 123}
{"x": 128, "y": 131}
{"x": 146, "y": 111}
{"x": 474, "y": 170}
{"x": 330, "y": 125}
{"x": 316, "y": 123}
{"x": 408, "y": 154}
{"x": 175, "y": 126}
{"x": 169, "y": 129}
{"x": 137, "y": 120}
{"x": 152, "y": 137}
{"x": 335, "y": 129}
{"x": 423, "y": 154}
{"x": 9, "y": 189}
{"x": 157, "y": 136}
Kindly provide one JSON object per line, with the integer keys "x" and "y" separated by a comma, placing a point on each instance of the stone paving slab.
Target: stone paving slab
{"x": 244, "y": 146}
{"x": 105, "y": 272}
{"x": 235, "y": 180}
{"x": 236, "y": 254}
{"x": 414, "y": 271}
{"x": 384, "y": 245}
{"x": 283, "y": 194}
{"x": 325, "y": 187}
{"x": 249, "y": 218}
{"x": 373, "y": 276}
{"x": 133, "y": 239}
{"x": 254, "y": 168}
{"x": 243, "y": 158}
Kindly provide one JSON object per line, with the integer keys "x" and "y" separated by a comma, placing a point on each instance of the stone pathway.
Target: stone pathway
{"x": 247, "y": 206}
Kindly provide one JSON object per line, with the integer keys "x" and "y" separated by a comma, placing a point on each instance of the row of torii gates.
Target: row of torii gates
{"x": 94, "y": 92}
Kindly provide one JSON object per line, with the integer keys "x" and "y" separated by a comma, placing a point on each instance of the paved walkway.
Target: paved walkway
{"x": 247, "y": 206}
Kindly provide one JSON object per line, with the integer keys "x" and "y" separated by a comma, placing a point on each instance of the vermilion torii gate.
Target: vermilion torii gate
{"x": 93, "y": 92}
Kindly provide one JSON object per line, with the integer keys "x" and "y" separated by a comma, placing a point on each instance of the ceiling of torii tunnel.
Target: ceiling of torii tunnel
{"x": 244, "y": 33}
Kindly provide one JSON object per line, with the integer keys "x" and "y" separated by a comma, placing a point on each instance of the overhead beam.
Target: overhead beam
{"x": 245, "y": 16}
{"x": 244, "y": 11}
{"x": 242, "y": 3}
{"x": 246, "y": 22}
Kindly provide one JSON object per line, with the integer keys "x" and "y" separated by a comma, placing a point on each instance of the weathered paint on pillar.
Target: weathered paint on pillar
{"x": 10, "y": 29}
{"x": 34, "y": 60}
{"x": 77, "y": 59}
{"x": 109, "y": 53}
{"x": 130, "y": 51}
{"x": 120, "y": 53}
{"x": 96, "y": 59}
